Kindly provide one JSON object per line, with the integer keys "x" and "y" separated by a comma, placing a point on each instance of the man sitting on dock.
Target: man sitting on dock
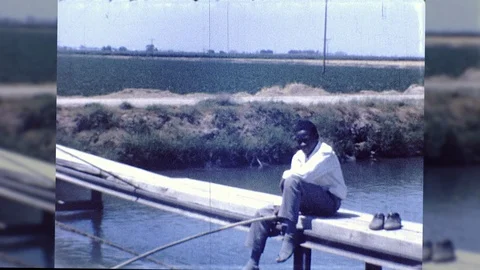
{"x": 314, "y": 185}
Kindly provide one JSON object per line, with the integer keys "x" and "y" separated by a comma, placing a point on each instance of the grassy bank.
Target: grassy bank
{"x": 220, "y": 133}
{"x": 452, "y": 127}
{"x": 27, "y": 126}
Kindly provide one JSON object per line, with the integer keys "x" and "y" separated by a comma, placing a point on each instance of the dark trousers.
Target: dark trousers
{"x": 297, "y": 196}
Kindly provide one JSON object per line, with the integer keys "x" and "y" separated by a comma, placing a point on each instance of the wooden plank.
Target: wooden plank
{"x": 35, "y": 172}
{"x": 354, "y": 230}
{"x": 347, "y": 226}
{"x": 372, "y": 260}
{"x": 464, "y": 260}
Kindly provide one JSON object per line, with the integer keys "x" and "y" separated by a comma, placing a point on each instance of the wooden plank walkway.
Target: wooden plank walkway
{"x": 27, "y": 180}
{"x": 345, "y": 234}
{"x": 465, "y": 260}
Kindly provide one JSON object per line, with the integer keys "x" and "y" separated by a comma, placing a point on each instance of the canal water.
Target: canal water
{"x": 382, "y": 186}
{"x": 451, "y": 205}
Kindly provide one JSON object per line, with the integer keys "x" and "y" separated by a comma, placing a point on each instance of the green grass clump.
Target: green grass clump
{"x": 27, "y": 126}
{"x": 96, "y": 117}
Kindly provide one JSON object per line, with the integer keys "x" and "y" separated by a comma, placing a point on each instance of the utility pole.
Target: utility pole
{"x": 228, "y": 29}
{"x": 209, "y": 37}
{"x": 325, "y": 37}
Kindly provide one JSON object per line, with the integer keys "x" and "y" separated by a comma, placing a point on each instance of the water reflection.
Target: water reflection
{"x": 97, "y": 217}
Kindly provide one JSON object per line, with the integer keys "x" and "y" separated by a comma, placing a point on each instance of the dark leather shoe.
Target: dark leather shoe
{"x": 393, "y": 222}
{"x": 427, "y": 251}
{"x": 377, "y": 222}
{"x": 288, "y": 246}
{"x": 443, "y": 251}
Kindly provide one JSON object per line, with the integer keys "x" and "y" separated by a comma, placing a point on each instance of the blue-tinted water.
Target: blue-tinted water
{"x": 451, "y": 204}
{"x": 388, "y": 185}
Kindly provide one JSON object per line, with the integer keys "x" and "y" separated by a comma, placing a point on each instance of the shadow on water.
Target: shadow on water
{"x": 96, "y": 219}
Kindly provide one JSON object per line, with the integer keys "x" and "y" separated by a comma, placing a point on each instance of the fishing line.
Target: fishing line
{"x": 106, "y": 242}
{"x": 244, "y": 222}
{"x": 102, "y": 170}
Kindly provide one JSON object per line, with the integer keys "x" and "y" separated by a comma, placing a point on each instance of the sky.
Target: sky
{"x": 368, "y": 27}
{"x": 453, "y": 16}
{"x": 355, "y": 27}
{"x": 22, "y": 9}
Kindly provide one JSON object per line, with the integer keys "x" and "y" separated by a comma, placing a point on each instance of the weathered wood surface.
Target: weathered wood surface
{"x": 34, "y": 171}
{"x": 347, "y": 227}
{"x": 28, "y": 181}
{"x": 465, "y": 260}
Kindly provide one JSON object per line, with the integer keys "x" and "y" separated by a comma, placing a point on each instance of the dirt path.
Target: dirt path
{"x": 292, "y": 93}
{"x": 305, "y": 100}
{"x": 25, "y": 90}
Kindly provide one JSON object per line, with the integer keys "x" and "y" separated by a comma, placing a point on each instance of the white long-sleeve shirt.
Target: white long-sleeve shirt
{"x": 321, "y": 168}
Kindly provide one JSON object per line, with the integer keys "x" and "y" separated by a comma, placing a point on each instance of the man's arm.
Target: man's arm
{"x": 315, "y": 168}
{"x": 295, "y": 164}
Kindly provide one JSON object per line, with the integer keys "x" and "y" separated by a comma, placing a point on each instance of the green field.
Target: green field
{"x": 28, "y": 55}
{"x": 449, "y": 60}
{"x": 97, "y": 75}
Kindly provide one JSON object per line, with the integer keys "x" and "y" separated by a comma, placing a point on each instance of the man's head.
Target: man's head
{"x": 306, "y": 135}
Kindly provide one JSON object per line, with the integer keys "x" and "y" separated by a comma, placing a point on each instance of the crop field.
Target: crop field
{"x": 90, "y": 76}
{"x": 450, "y": 60}
{"x": 28, "y": 55}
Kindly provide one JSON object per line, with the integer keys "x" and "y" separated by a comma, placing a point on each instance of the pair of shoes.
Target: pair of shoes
{"x": 377, "y": 222}
{"x": 442, "y": 251}
{"x": 288, "y": 246}
{"x": 392, "y": 222}
{"x": 427, "y": 251}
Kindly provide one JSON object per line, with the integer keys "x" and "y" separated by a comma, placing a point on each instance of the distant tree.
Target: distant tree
{"x": 107, "y": 48}
{"x": 266, "y": 51}
{"x": 150, "y": 48}
{"x": 211, "y": 51}
{"x": 122, "y": 49}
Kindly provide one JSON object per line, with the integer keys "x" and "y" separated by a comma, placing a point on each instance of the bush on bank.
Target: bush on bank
{"x": 27, "y": 126}
{"x": 452, "y": 128}
{"x": 220, "y": 133}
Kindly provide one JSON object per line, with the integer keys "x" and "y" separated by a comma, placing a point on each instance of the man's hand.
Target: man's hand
{"x": 276, "y": 209}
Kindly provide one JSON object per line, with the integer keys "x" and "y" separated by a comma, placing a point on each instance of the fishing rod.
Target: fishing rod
{"x": 243, "y": 222}
{"x": 106, "y": 242}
